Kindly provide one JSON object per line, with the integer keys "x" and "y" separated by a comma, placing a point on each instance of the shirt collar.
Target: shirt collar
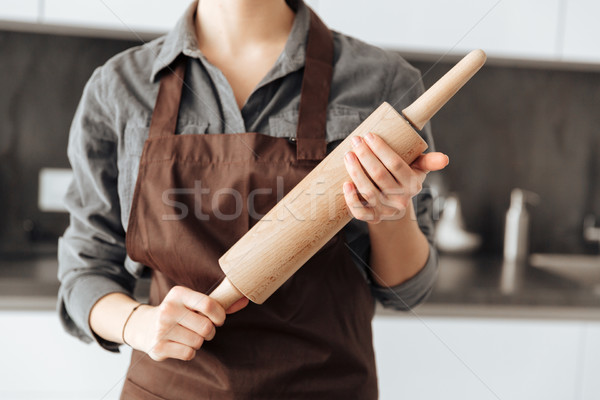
{"x": 182, "y": 39}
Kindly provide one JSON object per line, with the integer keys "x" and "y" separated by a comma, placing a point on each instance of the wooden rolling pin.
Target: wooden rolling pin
{"x": 315, "y": 209}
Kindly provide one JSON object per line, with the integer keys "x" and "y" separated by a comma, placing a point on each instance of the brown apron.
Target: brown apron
{"x": 195, "y": 196}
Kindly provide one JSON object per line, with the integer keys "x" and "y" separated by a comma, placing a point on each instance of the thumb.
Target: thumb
{"x": 431, "y": 162}
{"x": 238, "y": 305}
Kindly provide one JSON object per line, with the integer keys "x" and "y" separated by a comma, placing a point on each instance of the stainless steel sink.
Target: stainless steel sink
{"x": 581, "y": 268}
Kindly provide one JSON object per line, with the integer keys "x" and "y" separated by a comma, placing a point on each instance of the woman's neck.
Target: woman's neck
{"x": 231, "y": 25}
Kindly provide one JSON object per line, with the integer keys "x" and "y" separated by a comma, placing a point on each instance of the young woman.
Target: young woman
{"x": 178, "y": 146}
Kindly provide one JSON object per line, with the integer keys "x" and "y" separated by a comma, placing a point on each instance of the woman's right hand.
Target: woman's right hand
{"x": 177, "y": 327}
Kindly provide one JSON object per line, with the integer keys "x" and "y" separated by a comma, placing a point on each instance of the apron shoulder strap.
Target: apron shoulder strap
{"x": 166, "y": 109}
{"x": 316, "y": 84}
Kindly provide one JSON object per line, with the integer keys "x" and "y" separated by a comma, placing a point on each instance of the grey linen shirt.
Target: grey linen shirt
{"x": 111, "y": 125}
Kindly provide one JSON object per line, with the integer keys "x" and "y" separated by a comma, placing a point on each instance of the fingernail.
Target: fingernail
{"x": 348, "y": 156}
{"x": 355, "y": 141}
{"x": 346, "y": 187}
{"x": 369, "y": 137}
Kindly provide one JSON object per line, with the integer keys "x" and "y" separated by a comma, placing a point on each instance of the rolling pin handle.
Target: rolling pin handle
{"x": 226, "y": 294}
{"x": 430, "y": 102}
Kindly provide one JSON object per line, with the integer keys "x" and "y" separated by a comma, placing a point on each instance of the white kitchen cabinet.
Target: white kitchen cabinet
{"x": 590, "y": 380}
{"x": 124, "y": 15}
{"x": 417, "y": 358}
{"x": 478, "y": 359}
{"x": 19, "y": 10}
{"x": 547, "y": 30}
{"x": 582, "y": 31}
{"x": 41, "y": 361}
{"x": 508, "y": 28}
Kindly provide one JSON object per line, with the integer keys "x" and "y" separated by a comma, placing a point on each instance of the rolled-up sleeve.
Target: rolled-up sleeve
{"x": 412, "y": 292}
{"x": 404, "y": 87}
{"x": 91, "y": 253}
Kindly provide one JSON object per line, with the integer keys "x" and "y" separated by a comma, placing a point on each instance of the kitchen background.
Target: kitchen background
{"x": 529, "y": 119}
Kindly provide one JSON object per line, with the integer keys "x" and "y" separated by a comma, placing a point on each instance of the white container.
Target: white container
{"x": 516, "y": 230}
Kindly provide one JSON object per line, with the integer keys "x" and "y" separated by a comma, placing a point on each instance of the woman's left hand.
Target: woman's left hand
{"x": 383, "y": 184}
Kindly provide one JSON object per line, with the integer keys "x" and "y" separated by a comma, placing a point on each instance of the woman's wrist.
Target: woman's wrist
{"x": 133, "y": 336}
{"x": 109, "y": 314}
{"x": 133, "y": 310}
{"x": 399, "y": 250}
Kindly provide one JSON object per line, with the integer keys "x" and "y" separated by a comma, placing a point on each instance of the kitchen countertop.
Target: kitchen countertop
{"x": 466, "y": 287}
{"x": 479, "y": 286}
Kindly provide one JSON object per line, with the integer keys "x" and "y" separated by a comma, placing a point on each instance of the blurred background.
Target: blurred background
{"x": 515, "y": 313}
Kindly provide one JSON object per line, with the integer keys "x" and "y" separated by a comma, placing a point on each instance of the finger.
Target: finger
{"x": 357, "y": 208}
{"x": 431, "y": 162}
{"x": 203, "y": 304}
{"x": 199, "y": 324}
{"x": 187, "y": 337}
{"x": 365, "y": 187}
{"x": 169, "y": 349}
{"x": 238, "y": 305}
{"x": 373, "y": 165}
{"x": 399, "y": 169}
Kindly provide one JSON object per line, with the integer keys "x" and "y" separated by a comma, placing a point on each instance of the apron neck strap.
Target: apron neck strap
{"x": 316, "y": 84}
{"x": 166, "y": 110}
{"x": 311, "y": 141}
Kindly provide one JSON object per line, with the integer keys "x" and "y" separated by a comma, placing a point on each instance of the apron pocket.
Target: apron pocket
{"x": 133, "y": 391}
